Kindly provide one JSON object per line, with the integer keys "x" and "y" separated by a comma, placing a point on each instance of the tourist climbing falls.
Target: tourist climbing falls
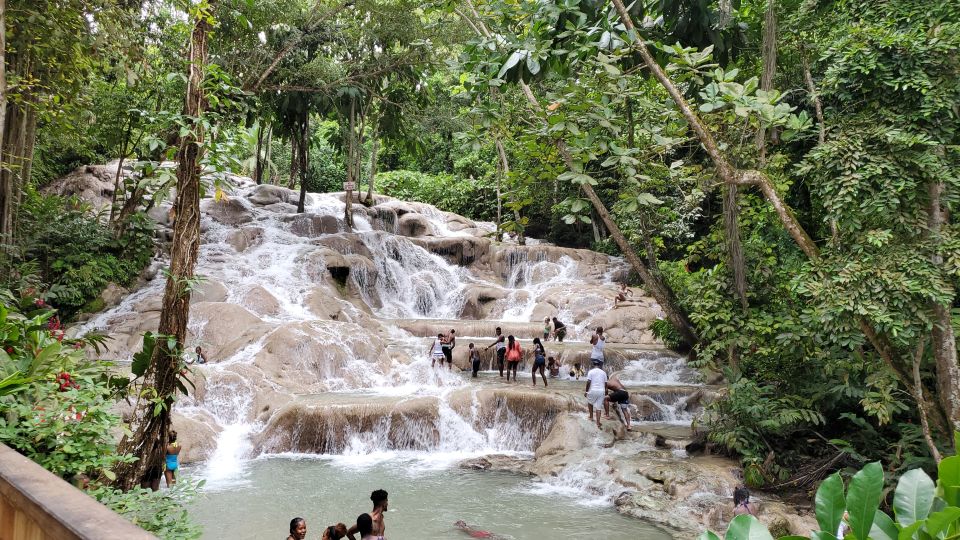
{"x": 259, "y": 260}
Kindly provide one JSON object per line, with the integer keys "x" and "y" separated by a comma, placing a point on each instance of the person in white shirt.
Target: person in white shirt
{"x": 598, "y": 342}
{"x": 596, "y": 390}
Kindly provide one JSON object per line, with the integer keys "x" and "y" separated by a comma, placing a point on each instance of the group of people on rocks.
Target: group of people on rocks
{"x": 369, "y": 525}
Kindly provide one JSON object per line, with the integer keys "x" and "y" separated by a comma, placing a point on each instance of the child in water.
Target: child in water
{"x": 476, "y": 533}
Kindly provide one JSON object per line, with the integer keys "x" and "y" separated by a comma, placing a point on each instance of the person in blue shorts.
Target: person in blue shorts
{"x": 539, "y": 361}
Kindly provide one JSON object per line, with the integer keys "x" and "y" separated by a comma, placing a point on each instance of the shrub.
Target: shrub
{"x": 73, "y": 254}
{"x": 471, "y": 198}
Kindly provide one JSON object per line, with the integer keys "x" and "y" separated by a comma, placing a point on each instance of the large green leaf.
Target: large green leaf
{"x": 708, "y": 535}
{"x": 907, "y": 533}
{"x": 746, "y": 527}
{"x": 948, "y": 479}
{"x": 830, "y": 503}
{"x": 863, "y": 498}
{"x": 940, "y": 522}
{"x": 913, "y": 498}
{"x": 883, "y": 527}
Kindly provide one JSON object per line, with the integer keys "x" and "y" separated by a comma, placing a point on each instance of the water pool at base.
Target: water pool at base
{"x": 424, "y": 502}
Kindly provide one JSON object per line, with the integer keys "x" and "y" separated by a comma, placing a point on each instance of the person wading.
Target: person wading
{"x": 447, "y": 348}
{"x": 380, "y": 502}
{"x": 514, "y": 355}
{"x": 172, "y": 461}
{"x": 298, "y": 529}
{"x": 436, "y": 351}
{"x": 596, "y": 390}
{"x": 501, "y": 349}
{"x": 539, "y": 362}
{"x": 559, "y": 330}
{"x": 620, "y": 399}
{"x": 474, "y": 360}
{"x": 598, "y": 342}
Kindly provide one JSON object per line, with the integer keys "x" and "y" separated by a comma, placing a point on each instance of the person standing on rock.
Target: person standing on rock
{"x": 620, "y": 399}
{"x": 475, "y": 360}
{"x": 539, "y": 362}
{"x": 436, "y": 350}
{"x": 172, "y": 460}
{"x": 547, "y": 329}
{"x": 559, "y": 330}
{"x": 514, "y": 355}
{"x": 501, "y": 349}
{"x": 598, "y": 342}
{"x": 379, "y": 498}
{"x": 596, "y": 390}
{"x": 447, "y": 348}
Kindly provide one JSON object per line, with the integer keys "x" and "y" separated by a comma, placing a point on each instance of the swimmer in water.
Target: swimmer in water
{"x": 476, "y": 533}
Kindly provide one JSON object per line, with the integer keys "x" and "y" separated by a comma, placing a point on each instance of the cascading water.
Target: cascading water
{"x": 312, "y": 341}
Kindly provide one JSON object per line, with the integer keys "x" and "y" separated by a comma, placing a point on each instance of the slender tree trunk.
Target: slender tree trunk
{"x": 6, "y": 187}
{"x": 351, "y": 167}
{"x": 268, "y": 155}
{"x": 258, "y": 162}
{"x": 294, "y": 160}
{"x": 815, "y": 98}
{"x": 769, "y": 53}
{"x": 374, "y": 149}
{"x": 304, "y": 160}
{"x": 505, "y": 167}
{"x": 731, "y": 222}
{"x": 116, "y": 177}
{"x": 631, "y": 128}
{"x": 922, "y": 403}
{"x": 152, "y": 427}
{"x": 944, "y": 340}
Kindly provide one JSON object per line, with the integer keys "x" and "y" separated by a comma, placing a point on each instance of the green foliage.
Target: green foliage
{"x": 58, "y": 408}
{"x": 73, "y": 254}
{"x": 923, "y": 511}
{"x": 467, "y": 197}
{"x": 162, "y": 512}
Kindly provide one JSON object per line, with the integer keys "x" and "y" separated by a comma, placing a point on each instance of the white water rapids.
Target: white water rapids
{"x": 362, "y": 359}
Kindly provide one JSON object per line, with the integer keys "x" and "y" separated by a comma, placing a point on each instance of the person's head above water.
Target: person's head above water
{"x": 555, "y": 321}
{"x": 600, "y": 330}
{"x": 379, "y": 498}
{"x": 364, "y": 524}
{"x": 510, "y": 340}
{"x": 173, "y": 436}
{"x": 440, "y": 335}
{"x": 298, "y": 528}
{"x": 536, "y": 341}
{"x": 452, "y": 331}
{"x": 741, "y": 495}
{"x": 499, "y": 331}
{"x": 460, "y": 524}
{"x": 470, "y": 346}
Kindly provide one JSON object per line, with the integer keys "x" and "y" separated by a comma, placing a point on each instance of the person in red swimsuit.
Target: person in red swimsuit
{"x": 476, "y": 533}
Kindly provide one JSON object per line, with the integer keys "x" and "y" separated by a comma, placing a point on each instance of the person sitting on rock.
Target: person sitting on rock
{"x": 622, "y": 294}
{"x": 741, "y": 502}
{"x": 620, "y": 398}
{"x": 553, "y": 366}
{"x": 201, "y": 358}
{"x": 559, "y": 330}
{"x": 436, "y": 350}
{"x": 476, "y": 533}
{"x": 596, "y": 390}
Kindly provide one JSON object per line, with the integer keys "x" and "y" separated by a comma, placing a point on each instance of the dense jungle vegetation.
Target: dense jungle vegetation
{"x": 782, "y": 175}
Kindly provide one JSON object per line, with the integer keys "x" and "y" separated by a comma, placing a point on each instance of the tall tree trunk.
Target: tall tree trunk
{"x": 6, "y": 187}
{"x": 116, "y": 178}
{"x": 769, "y": 53}
{"x": 922, "y": 403}
{"x": 258, "y": 161}
{"x": 731, "y": 222}
{"x": 150, "y": 436}
{"x": 944, "y": 340}
{"x": 815, "y": 98}
{"x": 631, "y": 128}
{"x": 294, "y": 160}
{"x": 505, "y": 167}
{"x": 268, "y": 155}
{"x": 351, "y": 168}
{"x": 304, "y": 159}
{"x": 374, "y": 152}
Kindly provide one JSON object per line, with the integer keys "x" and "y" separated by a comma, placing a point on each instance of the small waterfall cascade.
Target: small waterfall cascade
{"x": 317, "y": 338}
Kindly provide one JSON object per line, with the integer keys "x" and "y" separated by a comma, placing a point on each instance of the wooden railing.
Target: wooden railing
{"x": 38, "y": 505}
